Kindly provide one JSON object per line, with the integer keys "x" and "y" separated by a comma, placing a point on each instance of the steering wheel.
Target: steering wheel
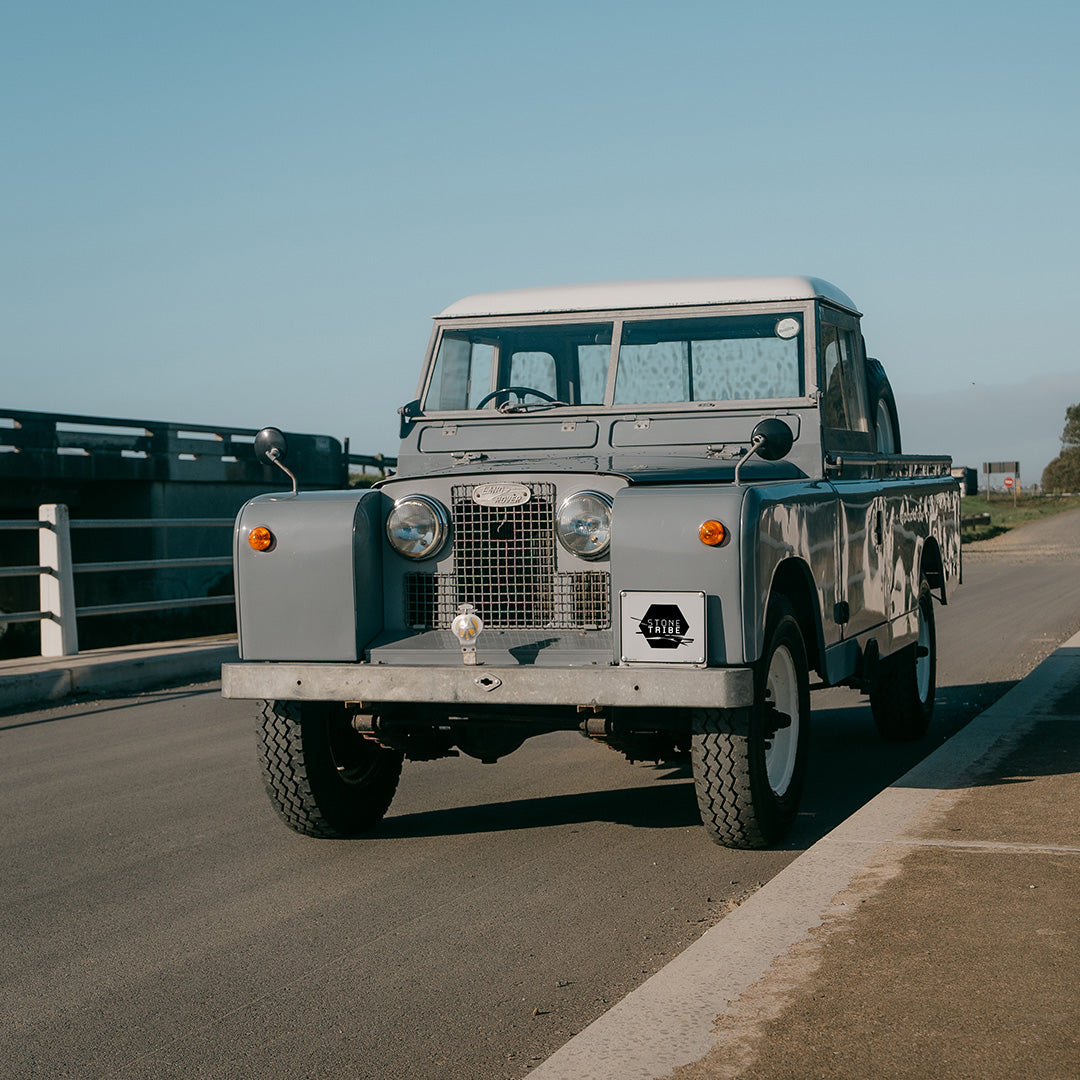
{"x": 520, "y": 391}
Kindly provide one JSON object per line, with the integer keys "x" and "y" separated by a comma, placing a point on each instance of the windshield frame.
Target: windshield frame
{"x": 805, "y": 310}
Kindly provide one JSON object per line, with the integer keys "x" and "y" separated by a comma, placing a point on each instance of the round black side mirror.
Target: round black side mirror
{"x": 272, "y": 445}
{"x": 776, "y": 439}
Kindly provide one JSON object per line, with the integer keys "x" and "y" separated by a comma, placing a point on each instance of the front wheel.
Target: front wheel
{"x": 749, "y": 766}
{"x": 323, "y": 778}
{"x": 902, "y": 697}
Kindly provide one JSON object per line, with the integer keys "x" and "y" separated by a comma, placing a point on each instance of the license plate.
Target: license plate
{"x": 663, "y": 627}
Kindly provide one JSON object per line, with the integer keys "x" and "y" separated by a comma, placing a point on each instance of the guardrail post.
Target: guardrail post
{"x": 59, "y": 636}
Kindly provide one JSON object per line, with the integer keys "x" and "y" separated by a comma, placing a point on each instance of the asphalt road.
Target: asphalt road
{"x": 160, "y": 922}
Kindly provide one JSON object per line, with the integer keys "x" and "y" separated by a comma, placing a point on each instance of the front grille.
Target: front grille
{"x": 504, "y": 560}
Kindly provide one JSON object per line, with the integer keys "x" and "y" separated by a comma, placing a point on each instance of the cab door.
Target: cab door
{"x": 848, "y": 443}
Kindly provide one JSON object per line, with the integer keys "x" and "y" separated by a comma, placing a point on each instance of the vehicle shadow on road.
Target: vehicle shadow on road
{"x": 659, "y": 806}
{"x": 849, "y": 765}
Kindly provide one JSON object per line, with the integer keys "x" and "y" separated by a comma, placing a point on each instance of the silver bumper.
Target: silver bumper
{"x": 723, "y": 688}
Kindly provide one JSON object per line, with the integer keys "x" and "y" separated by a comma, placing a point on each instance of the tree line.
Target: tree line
{"x": 1063, "y": 473}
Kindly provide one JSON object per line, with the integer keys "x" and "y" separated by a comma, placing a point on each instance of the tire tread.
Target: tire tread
{"x": 737, "y": 807}
{"x": 292, "y": 780}
{"x": 724, "y": 796}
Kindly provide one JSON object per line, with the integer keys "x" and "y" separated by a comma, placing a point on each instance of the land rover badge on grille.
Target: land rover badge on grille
{"x": 501, "y": 494}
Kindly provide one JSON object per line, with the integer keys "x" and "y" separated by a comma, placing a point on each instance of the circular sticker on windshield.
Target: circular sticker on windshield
{"x": 787, "y": 328}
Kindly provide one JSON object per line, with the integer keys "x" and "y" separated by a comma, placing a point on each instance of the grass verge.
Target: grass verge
{"x": 1004, "y": 515}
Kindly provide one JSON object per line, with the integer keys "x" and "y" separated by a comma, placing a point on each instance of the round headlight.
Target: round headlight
{"x": 584, "y": 524}
{"x": 417, "y": 527}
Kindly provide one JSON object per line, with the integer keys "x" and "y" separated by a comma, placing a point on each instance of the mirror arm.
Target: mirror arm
{"x": 274, "y": 455}
{"x": 759, "y": 441}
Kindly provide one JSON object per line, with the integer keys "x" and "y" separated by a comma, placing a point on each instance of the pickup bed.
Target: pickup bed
{"x": 646, "y": 511}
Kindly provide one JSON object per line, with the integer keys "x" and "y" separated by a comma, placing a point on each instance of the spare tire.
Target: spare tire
{"x": 882, "y": 408}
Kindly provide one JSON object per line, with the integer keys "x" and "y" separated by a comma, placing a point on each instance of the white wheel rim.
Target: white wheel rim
{"x": 922, "y": 659}
{"x": 782, "y": 692}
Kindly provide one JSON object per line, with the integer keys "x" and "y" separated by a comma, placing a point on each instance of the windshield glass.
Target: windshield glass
{"x": 529, "y": 366}
{"x": 704, "y": 358}
{"x": 710, "y": 359}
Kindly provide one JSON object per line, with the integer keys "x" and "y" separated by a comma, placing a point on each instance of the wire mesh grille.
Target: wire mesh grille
{"x": 504, "y": 559}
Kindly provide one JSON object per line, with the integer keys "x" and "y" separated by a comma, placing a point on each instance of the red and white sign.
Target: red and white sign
{"x": 1008, "y": 482}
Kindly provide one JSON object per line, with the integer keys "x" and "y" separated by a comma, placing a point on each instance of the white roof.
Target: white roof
{"x": 669, "y": 292}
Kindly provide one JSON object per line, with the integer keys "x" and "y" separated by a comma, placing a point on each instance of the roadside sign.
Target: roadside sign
{"x": 1012, "y": 467}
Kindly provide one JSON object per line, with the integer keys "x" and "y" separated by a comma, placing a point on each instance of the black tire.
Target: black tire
{"x": 324, "y": 778}
{"x": 902, "y": 695}
{"x": 749, "y": 773}
{"x": 883, "y": 413}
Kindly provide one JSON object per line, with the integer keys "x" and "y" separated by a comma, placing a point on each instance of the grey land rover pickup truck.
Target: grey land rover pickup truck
{"x": 645, "y": 511}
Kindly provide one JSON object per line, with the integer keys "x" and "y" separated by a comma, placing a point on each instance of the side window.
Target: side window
{"x": 844, "y": 408}
{"x": 855, "y": 381}
{"x": 833, "y": 412}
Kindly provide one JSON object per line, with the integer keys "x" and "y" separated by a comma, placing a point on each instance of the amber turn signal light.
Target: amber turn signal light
{"x": 260, "y": 538}
{"x": 712, "y": 533}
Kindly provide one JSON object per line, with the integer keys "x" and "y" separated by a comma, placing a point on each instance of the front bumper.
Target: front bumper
{"x": 375, "y": 684}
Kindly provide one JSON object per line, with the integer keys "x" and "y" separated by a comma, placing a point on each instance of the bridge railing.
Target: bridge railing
{"x": 75, "y": 447}
{"x": 56, "y": 572}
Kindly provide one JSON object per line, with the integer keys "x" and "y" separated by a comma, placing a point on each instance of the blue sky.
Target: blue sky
{"x": 245, "y": 213}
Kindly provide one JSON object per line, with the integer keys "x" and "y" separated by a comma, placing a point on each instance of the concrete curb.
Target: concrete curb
{"x": 668, "y": 1021}
{"x": 41, "y": 681}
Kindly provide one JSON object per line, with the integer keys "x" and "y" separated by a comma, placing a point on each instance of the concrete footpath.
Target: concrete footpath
{"x": 933, "y": 934}
{"x": 34, "y": 681}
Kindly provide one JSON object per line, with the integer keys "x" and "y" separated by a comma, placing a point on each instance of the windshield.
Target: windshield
{"x": 709, "y": 359}
{"x": 705, "y": 358}
{"x": 477, "y": 367}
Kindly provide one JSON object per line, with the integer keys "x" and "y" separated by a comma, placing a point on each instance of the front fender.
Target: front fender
{"x": 316, "y": 593}
{"x": 790, "y": 533}
{"x": 655, "y": 546}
